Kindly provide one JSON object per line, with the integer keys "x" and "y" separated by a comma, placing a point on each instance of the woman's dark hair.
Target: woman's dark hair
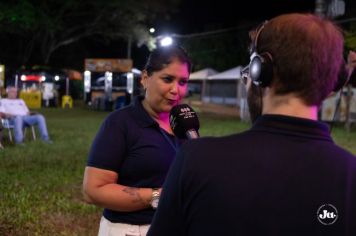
{"x": 163, "y": 56}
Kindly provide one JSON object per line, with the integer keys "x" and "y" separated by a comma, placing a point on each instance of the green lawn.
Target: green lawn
{"x": 40, "y": 184}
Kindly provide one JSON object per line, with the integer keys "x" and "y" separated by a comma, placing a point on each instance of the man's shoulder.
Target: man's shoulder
{"x": 213, "y": 140}
{"x": 213, "y": 145}
{"x": 341, "y": 153}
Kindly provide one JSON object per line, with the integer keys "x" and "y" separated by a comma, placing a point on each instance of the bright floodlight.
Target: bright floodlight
{"x": 152, "y": 30}
{"x": 166, "y": 41}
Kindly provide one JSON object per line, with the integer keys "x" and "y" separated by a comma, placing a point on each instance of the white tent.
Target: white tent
{"x": 202, "y": 74}
{"x": 225, "y": 88}
{"x": 231, "y": 74}
{"x": 197, "y": 80}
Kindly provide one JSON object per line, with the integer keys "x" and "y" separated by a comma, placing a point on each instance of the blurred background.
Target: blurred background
{"x": 88, "y": 55}
{"x": 55, "y": 51}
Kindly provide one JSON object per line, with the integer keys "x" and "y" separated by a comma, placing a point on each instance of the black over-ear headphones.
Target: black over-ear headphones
{"x": 261, "y": 64}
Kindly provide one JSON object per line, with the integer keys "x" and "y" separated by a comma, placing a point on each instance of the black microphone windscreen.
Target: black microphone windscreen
{"x": 182, "y": 119}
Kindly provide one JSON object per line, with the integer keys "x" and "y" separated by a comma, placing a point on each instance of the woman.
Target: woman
{"x": 135, "y": 147}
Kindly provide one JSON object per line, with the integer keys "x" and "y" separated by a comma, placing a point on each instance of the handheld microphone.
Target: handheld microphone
{"x": 184, "y": 122}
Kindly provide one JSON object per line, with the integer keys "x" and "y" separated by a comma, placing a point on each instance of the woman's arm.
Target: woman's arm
{"x": 100, "y": 188}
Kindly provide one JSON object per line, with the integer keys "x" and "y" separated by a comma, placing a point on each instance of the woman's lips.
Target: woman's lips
{"x": 172, "y": 101}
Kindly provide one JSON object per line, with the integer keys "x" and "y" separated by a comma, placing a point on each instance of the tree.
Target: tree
{"x": 219, "y": 49}
{"x": 45, "y": 26}
{"x": 350, "y": 37}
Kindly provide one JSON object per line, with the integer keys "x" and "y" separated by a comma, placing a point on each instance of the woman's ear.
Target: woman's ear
{"x": 144, "y": 78}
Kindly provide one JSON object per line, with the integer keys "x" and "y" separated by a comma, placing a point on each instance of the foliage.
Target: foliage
{"x": 219, "y": 51}
{"x": 219, "y": 48}
{"x": 349, "y": 26}
{"x": 350, "y": 37}
{"x": 45, "y": 26}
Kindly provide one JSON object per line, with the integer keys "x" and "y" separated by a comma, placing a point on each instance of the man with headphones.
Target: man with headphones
{"x": 285, "y": 175}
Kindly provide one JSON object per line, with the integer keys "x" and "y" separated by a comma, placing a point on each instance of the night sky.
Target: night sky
{"x": 199, "y": 16}
{"x": 193, "y": 16}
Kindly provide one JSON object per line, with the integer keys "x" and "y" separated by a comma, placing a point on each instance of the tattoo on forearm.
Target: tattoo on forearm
{"x": 135, "y": 194}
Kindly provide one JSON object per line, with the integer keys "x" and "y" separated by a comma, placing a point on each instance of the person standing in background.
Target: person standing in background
{"x": 135, "y": 146}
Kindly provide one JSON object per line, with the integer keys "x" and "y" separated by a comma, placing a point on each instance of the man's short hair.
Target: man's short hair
{"x": 307, "y": 54}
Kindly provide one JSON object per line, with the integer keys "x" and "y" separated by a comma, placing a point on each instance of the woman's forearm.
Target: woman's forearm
{"x": 100, "y": 188}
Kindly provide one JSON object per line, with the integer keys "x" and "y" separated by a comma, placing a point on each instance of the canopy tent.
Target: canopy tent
{"x": 226, "y": 88}
{"x": 202, "y": 74}
{"x": 197, "y": 80}
{"x": 231, "y": 74}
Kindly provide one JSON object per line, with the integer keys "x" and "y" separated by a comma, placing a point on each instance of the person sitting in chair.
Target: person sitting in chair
{"x": 17, "y": 112}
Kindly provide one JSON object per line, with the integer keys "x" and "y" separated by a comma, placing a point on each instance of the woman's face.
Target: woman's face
{"x": 167, "y": 87}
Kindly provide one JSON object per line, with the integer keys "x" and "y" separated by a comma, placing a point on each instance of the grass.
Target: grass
{"x": 40, "y": 184}
{"x": 346, "y": 139}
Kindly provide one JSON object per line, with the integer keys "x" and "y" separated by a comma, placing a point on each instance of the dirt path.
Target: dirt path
{"x": 214, "y": 108}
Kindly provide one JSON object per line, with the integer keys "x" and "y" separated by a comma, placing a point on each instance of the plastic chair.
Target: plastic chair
{"x": 7, "y": 125}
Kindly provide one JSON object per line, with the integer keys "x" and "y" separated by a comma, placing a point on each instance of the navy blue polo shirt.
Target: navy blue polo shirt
{"x": 269, "y": 180}
{"x": 131, "y": 143}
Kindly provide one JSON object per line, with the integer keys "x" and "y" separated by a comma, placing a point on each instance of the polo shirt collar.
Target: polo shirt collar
{"x": 141, "y": 115}
{"x": 292, "y": 125}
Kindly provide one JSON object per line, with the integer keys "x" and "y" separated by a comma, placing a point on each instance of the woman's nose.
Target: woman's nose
{"x": 174, "y": 88}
